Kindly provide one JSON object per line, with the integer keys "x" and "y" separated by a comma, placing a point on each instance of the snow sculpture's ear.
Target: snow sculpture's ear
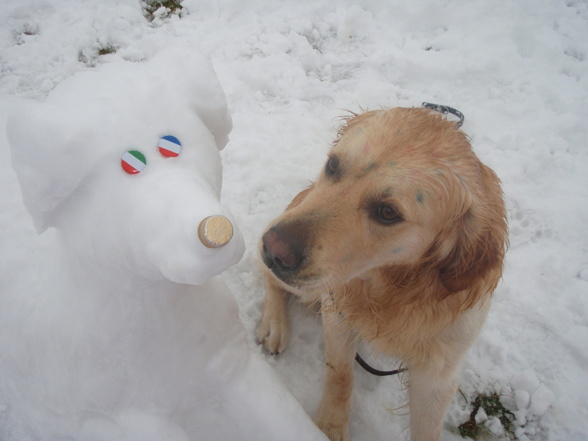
{"x": 48, "y": 162}
{"x": 192, "y": 74}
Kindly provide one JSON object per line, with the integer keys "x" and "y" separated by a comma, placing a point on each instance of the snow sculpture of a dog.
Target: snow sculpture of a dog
{"x": 126, "y": 335}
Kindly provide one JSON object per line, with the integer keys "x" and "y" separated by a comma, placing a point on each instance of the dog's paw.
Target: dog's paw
{"x": 273, "y": 333}
{"x": 334, "y": 431}
{"x": 333, "y": 419}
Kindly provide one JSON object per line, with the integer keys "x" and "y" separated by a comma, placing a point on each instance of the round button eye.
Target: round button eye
{"x": 133, "y": 162}
{"x": 170, "y": 146}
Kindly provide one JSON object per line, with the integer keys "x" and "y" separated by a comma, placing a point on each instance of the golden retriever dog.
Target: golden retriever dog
{"x": 401, "y": 240}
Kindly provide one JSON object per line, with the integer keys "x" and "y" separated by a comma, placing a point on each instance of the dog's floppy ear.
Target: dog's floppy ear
{"x": 473, "y": 240}
{"x": 478, "y": 249}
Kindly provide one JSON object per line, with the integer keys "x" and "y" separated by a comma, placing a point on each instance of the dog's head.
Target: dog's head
{"x": 400, "y": 187}
{"x": 67, "y": 154}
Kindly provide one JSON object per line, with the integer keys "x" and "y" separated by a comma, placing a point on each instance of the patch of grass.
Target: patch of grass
{"x": 491, "y": 405}
{"x": 153, "y": 8}
{"x": 105, "y": 50}
{"x": 90, "y": 55}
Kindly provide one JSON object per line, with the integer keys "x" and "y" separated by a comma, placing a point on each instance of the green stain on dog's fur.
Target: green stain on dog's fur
{"x": 419, "y": 197}
{"x": 368, "y": 169}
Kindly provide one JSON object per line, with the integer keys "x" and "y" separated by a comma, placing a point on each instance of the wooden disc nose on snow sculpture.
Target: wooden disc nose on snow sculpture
{"x": 215, "y": 231}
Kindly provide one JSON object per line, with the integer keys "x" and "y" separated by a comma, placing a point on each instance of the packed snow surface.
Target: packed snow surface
{"x": 517, "y": 70}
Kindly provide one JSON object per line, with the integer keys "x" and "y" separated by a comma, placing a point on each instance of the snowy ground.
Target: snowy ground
{"x": 517, "y": 70}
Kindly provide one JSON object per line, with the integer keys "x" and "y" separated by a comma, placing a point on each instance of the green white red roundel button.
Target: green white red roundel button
{"x": 170, "y": 146}
{"x": 133, "y": 162}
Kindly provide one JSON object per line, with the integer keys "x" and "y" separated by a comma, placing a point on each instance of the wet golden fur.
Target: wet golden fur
{"x": 415, "y": 283}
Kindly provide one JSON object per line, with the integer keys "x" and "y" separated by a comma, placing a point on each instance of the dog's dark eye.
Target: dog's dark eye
{"x": 388, "y": 215}
{"x": 332, "y": 165}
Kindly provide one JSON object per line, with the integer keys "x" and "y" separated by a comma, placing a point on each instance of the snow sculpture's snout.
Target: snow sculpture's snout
{"x": 178, "y": 226}
{"x": 215, "y": 231}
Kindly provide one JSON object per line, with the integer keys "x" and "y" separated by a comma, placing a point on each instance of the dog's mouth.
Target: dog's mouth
{"x": 302, "y": 286}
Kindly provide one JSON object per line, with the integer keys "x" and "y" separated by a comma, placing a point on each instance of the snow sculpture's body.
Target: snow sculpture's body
{"x": 127, "y": 335}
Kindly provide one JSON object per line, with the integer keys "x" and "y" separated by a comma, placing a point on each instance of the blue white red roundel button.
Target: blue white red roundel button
{"x": 133, "y": 162}
{"x": 170, "y": 146}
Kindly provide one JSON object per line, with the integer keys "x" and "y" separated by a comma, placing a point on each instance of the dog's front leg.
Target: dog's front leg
{"x": 333, "y": 413}
{"x": 273, "y": 330}
{"x": 430, "y": 394}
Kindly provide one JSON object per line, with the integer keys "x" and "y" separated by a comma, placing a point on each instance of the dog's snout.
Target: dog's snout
{"x": 278, "y": 252}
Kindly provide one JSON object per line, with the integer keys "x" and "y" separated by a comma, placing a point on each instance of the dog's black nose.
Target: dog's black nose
{"x": 278, "y": 253}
